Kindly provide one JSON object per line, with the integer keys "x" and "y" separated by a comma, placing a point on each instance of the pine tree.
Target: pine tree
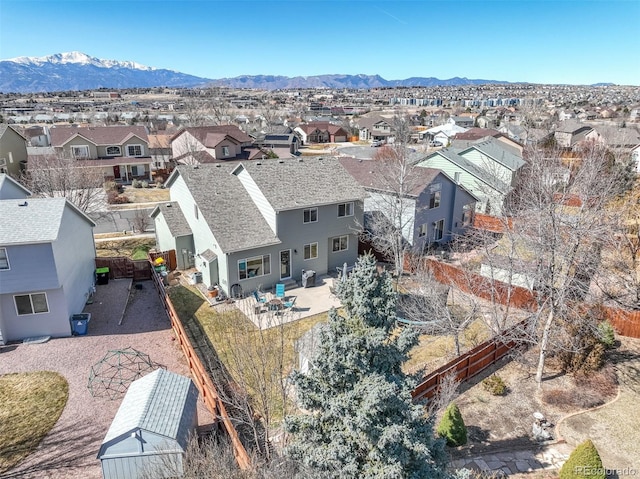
{"x": 452, "y": 427}
{"x": 360, "y": 420}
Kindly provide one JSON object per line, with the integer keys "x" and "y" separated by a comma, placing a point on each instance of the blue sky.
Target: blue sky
{"x": 542, "y": 41}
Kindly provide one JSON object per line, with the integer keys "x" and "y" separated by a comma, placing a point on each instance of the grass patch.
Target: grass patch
{"x": 134, "y": 248}
{"x": 30, "y": 405}
{"x": 256, "y": 359}
{"x": 146, "y": 195}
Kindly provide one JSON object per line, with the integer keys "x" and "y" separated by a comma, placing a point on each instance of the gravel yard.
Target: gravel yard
{"x": 70, "y": 449}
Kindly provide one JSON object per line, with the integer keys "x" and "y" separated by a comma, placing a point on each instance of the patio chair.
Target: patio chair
{"x": 289, "y": 305}
{"x": 280, "y": 291}
{"x": 260, "y": 297}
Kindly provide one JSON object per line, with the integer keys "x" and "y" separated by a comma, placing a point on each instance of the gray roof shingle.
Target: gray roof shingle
{"x": 498, "y": 151}
{"x": 174, "y": 217}
{"x": 36, "y": 222}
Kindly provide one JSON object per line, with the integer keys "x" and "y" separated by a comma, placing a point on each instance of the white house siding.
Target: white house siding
{"x": 186, "y": 143}
{"x": 202, "y": 236}
{"x": 386, "y": 204}
{"x": 74, "y": 252}
{"x": 55, "y": 323}
{"x": 256, "y": 195}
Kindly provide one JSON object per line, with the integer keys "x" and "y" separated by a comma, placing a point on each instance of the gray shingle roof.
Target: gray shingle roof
{"x": 99, "y": 135}
{"x": 161, "y": 402}
{"x": 491, "y": 147}
{"x": 37, "y": 222}
{"x": 174, "y": 217}
{"x": 227, "y": 208}
{"x": 304, "y": 182}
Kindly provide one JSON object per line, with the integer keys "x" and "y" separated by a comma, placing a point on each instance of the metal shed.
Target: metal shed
{"x": 151, "y": 429}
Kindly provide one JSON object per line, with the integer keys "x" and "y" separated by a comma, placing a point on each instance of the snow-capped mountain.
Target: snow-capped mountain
{"x": 78, "y": 58}
{"x": 79, "y": 71}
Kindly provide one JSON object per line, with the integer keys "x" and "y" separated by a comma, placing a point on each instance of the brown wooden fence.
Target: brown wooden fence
{"x": 472, "y": 362}
{"x": 201, "y": 377}
{"x": 491, "y": 223}
{"x": 168, "y": 256}
{"x": 123, "y": 267}
{"x": 626, "y": 323}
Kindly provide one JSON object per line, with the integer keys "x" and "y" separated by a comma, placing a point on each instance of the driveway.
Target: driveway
{"x": 70, "y": 448}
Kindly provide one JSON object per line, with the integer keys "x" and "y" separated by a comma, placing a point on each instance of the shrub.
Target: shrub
{"x": 136, "y": 184}
{"x": 110, "y": 186}
{"x": 452, "y": 426}
{"x": 113, "y": 198}
{"x": 606, "y": 334}
{"x": 495, "y": 385}
{"x": 584, "y": 461}
{"x": 144, "y": 184}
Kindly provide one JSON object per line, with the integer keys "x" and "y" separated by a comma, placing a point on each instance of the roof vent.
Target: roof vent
{"x": 280, "y": 161}
{"x": 300, "y": 160}
{"x": 258, "y": 162}
{"x": 23, "y": 204}
{"x": 218, "y": 165}
{"x": 168, "y": 205}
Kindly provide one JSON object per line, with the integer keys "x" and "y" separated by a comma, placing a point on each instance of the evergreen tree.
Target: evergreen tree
{"x": 361, "y": 421}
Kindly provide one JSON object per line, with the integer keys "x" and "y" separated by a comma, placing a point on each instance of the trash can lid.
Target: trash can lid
{"x": 102, "y": 270}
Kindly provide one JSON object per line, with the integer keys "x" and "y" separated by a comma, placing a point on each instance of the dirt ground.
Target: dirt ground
{"x": 69, "y": 450}
{"x": 505, "y": 422}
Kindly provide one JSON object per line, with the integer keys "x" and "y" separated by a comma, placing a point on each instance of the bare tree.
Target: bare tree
{"x": 81, "y": 184}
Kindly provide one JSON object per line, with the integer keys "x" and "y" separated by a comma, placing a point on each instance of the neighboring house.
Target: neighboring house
{"x": 283, "y": 144}
{"x": 36, "y": 136}
{"x": 374, "y": 128}
{"x": 495, "y": 157}
{"x": 464, "y": 121}
{"x": 445, "y": 133}
{"x": 121, "y": 152}
{"x": 263, "y": 222}
{"x": 434, "y": 208}
{"x": 13, "y": 151}
{"x": 150, "y": 432}
{"x": 484, "y": 185}
{"x": 211, "y": 144}
{"x": 47, "y": 263}
{"x": 321, "y": 132}
{"x": 160, "y": 150}
{"x": 570, "y": 133}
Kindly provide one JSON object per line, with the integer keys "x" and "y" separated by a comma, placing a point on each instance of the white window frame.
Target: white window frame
{"x": 4, "y": 257}
{"x": 265, "y": 270}
{"x": 422, "y": 231}
{"x": 135, "y": 146}
{"x": 310, "y": 211}
{"x": 119, "y": 153}
{"x": 467, "y": 215}
{"x": 340, "y": 248}
{"x": 435, "y": 198}
{"x": 436, "y": 230}
{"x": 308, "y": 251}
{"x": 348, "y": 209}
{"x": 46, "y": 300}
{"x": 76, "y": 148}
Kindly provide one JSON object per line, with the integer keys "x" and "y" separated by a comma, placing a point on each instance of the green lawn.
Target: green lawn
{"x": 30, "y": 405}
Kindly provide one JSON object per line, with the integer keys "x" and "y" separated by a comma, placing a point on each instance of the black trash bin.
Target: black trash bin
{"x": 80, "y": 324}
{"x": 308, "y": 278}
{"x": 102, "y": 275}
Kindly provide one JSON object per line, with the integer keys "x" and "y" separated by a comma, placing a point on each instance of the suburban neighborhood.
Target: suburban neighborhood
{"x": 320, "y": 282}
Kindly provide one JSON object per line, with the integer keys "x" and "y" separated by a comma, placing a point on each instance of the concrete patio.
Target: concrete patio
{"x": 308, "y": 302}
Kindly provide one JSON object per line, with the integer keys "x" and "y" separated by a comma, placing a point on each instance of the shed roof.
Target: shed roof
{"x": 34, "y": 220}
{"x": 162, "y": 403}
{"x": 177, "y": 223}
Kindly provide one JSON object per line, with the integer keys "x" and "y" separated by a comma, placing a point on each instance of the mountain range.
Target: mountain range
{"x": 79, "y": 71}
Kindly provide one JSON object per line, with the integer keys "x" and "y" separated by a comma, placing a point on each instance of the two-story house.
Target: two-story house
{"x": 13, "y": 151}
{"x": 47, "y": 263}
{"x": 261, "y": 222}
{"x": 374, "y": 128}
{"x": 428, "y": 206}
{"x": 212, "y": 144}
{"x": 121, "y": 152}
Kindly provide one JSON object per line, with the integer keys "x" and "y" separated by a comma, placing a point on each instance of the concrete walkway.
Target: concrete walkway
{"x": 506, "y": 463}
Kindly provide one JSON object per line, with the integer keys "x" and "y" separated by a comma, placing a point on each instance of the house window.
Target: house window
{"x": 114, "y": 151}
{"x": 33, "y": 303}
{"x": 4, "y": 259}
{"x": 345, "y": 209}
{"x": 438, "y": 231}
{"x": 422, "y": 231}
{"x": 225, "y": 151}
{"x": 467, "y": 215}
{"x": 340, "y": 243}
{"x": 80, "y": 151}
{"x": 256, "y": 266}
{"x": 137, "y": 170}
{"x": 311, "y": 251}
{"x": 134, "y": 150}
{"x": 310, "y": 215}
{"x": 434, "y": 200}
